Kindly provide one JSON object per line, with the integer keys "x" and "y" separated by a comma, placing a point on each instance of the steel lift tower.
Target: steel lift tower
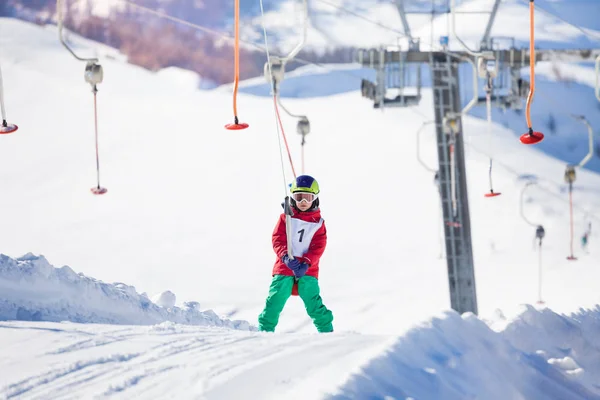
{"x": 399, "y": 73}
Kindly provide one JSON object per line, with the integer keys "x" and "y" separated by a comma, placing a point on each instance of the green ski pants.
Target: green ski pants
{"x": 281, "y": 290}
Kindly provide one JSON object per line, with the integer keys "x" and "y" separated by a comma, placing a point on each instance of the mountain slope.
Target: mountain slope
{"x": 177, "y": 210}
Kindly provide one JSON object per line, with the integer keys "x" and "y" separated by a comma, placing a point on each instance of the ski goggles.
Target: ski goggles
{"x": 304, "y": 196}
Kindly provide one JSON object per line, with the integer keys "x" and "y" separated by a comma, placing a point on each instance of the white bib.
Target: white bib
{"x": 302, "y": 233}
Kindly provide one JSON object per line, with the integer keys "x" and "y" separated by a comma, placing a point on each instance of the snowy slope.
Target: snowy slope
{"x": 191, "y": 208}
{"x": 445, "y": 357}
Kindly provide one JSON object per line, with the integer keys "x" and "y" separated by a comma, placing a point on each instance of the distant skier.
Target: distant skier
{"x": 299, "y": 275}
{"x": 586, "y": 236}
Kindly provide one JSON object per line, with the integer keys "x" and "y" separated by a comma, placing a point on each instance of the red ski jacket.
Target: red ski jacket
{"x": 309, "y": 238}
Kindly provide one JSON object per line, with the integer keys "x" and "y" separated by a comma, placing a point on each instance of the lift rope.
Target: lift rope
{"x": 236, "y": 60}
{"x": 5, "y": 128}
{"x": 436, "y": 181}
{"x": 419, "y": 159}
{"x": 280, "y": 132}
{"x": 451, "y": 126}
{"x": 531, "y": 137}
{"x": 539, "y": 236}
{"x": 488, "y": 104}
{"x": 453, "y": 173}
{"x": 93, "y": 75}
{"x": 570, "y": 176}
{"x": 275, "y": 73}
{"x": 518, "y": 173}
{"x": 572, "y": 256}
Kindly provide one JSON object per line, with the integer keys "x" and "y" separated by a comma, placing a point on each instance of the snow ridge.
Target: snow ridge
{"x": 458, "y": 357}
{"x": 33, "y": 290}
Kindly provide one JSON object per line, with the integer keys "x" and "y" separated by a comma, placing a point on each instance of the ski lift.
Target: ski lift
{"x": 419, "y": 159}
{"x": 398, "y": 84}
{"x": 570, "y": 174}
{"x": 531, "y": 137}
{"x": 436, "y": 180}
{"x": 5, "y": 128}
{"x": 570, "y": 177}
{"x": 303, "y": 127}
{"x": 540, "y": 233}
{"x": 509, "y": 87}
{"x": 490, "y": 73}
{"x": 93, "y": 74}
{"x": 451, "y": 129}
{"x": 487, "y": 66}
{"x": 519, "y": 88}
{"x": 237, "y": 125}
{"x": 274, "y": 72}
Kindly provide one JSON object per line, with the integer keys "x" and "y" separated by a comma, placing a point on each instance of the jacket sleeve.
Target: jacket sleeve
{"x": 317, "y": 246}
{"x": 280, "y": 237}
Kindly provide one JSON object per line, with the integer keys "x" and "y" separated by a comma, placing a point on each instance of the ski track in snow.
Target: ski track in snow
{"x": 215, "y": 363}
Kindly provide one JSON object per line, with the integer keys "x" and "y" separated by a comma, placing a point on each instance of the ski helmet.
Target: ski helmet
{"x": 305, "y": 183}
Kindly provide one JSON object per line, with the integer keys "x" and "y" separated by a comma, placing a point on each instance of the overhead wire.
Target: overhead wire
{"x": 586, "y": 33}
{"x": 372, "y": 21}
{"x": 279, "y": 126}
{"x": 320, "y": 65}
{"x": 276, "y": 78}
{"x": 517, "y": 173}
{"x": 226, "y": 36}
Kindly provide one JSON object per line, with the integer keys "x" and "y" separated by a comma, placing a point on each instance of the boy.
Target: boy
{"x": 298, "y": 275}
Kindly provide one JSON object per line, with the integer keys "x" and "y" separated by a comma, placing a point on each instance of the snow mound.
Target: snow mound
{"x": 33, "y": 290}
{"x": 454, "y": 357}
{"x": 165, "y": 299}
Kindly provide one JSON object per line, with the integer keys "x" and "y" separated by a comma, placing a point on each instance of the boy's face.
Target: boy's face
{"x": 303, "y": 205}
{"x": 303, "y": 200}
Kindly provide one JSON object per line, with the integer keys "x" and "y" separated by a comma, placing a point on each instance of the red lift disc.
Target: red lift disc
{"x": 531, "y": 137}
{"x": 99, "y": 190}
{"x": 572, "y": 258}
{"x": 492, "y": 194}
{"x": 236, "y": 127}
{"x": 9, "y": 128}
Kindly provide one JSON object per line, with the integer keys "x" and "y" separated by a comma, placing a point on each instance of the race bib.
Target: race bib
{"x": 302, "y": 233}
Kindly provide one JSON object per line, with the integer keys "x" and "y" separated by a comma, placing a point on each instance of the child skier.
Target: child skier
{"x": 298, "y": 274}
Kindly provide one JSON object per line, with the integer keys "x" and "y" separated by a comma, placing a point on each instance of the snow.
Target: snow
{"x": 190, "y": 209}
{"x": 455, "y": 358}
{"x": 379, "y": 23}
{"x": 165, "y": 299}
{"x": 447, "y": 356}
{"x": 33, "y": 290}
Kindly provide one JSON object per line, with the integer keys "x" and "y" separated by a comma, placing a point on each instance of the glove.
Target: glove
{"x": 301, "y": 270}
{"x": 297, "y": 266}
{"x": 292, "y": 264}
